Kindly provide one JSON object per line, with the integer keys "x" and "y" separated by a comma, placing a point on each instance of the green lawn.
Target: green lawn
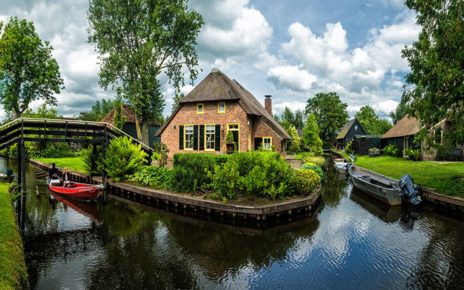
{"x": 72, "y": 163}
{"x": 446, "y": 178}
{"x": 13, "y": 272}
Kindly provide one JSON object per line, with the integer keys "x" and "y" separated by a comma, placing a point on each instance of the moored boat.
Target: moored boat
{"x": 341, "y": 165}
{"x": 82, "y": 191}
{"x": 384, "y": 188}
{"x": 381, "y": 187}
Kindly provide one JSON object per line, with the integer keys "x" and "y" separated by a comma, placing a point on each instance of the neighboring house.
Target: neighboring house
{"x": 348, "y": 132}
{"x": 362, "y": 143}
{"x": 437, "y": 132}
{"x": 129, "y": 126}
{"x": 402, "y": 134}
{"x": 216, "y": 106}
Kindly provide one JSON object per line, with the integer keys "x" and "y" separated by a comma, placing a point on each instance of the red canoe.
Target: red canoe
{"x": 77, "y": 190}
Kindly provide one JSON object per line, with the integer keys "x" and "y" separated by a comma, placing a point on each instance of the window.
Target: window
{"x": 210, "y": 131}
{"x": 200, "y": 108}
{"x": 267, "y": 143}
{"x": 221, "y": 107}
{"x": 188, "y": 137}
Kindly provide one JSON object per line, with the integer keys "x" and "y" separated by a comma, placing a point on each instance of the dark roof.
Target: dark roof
{"x": 219, "y": 87}
{"x": 346, "y": 128}
{"x": 129, "y": 116}
{"x": 407, "y": 126}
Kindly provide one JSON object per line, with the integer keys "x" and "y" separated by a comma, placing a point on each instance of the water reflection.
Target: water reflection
{"x": 352, "y": 243}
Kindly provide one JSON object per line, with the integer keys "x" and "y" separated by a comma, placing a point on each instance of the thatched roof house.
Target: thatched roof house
{"x": 402, "y": 133}
{"x": 219, "y": 101}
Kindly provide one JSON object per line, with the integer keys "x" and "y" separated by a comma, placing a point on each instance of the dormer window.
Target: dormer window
{"x": 221, "y": 107}
{"x": 200, "y": 108}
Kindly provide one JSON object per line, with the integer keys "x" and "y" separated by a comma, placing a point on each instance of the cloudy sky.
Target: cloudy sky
{"x": 291, "y": 49}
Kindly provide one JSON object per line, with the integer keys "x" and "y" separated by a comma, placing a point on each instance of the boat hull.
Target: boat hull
{"x": 378, "y": 186}
{"x": 80, "y": 191}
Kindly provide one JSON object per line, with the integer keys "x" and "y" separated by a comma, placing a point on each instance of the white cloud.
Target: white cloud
{"x": 292, "y": 76}
{"x": 313, "y": 63}
{"x": 232, "y": 28}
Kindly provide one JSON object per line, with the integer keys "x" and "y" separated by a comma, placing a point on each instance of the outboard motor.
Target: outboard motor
{"x": 410, "y": 192}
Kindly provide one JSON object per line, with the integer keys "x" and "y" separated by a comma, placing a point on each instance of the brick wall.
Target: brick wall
{"x": 234, "y": 114}
{"x": 260, "y": 129}
{"x": 188, "y": 115}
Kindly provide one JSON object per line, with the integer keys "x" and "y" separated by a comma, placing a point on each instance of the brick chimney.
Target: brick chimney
{"x": 268, "y": 104}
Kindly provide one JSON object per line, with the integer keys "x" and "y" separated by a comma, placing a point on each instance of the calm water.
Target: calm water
{"x": 351, "y": 243}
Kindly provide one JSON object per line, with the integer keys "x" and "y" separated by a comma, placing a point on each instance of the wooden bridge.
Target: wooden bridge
{"x": 24, "y": 130}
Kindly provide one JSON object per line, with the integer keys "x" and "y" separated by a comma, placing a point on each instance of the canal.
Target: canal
{"x": 352, "y": 242}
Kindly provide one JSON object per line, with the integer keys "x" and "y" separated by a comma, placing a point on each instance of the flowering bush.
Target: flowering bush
{"x": 305, "y": 181}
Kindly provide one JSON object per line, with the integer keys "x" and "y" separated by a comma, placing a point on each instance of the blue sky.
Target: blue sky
{"x": 291, "y": 49}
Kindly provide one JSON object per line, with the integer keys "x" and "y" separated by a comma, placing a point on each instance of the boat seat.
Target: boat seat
{"x": 381, "y": 182}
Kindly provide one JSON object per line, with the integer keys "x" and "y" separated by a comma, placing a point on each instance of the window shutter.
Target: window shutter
{"x": 202, "y": 137}
{"x": 181, "y": 137}
{"x": 217, "y": 137}
{"x": 195, "y": 137}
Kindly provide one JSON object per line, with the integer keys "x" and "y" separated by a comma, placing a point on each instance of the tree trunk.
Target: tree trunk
{"x": 137, "y": 128}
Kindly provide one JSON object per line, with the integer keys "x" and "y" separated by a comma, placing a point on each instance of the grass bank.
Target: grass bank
{"x": 72, "y": 163}
{"x": 13, "y": 272}
{"x": 446, "y": 177}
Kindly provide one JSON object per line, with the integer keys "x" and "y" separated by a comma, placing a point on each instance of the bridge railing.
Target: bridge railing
{"x": 36, "y": 129}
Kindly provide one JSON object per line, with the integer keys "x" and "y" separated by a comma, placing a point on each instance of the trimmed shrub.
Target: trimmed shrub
{"x": 254, "y": 173}
{"x": 156, "y": 177}
{"x": 305, "y": 181}
{"x": 190, "y": 171}
{"x": 391, "y": 150}
{"x": 123, "y": 158}
{"x": 413, "y": 154}
{"x": 314, "y": 167}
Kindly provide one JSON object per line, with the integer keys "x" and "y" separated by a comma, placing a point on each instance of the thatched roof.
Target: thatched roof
{"x": 345, "y": 129}
{"x": 129, "y": 116}
{"x": 407, "y": 126}
{"x": 219, "y": 87}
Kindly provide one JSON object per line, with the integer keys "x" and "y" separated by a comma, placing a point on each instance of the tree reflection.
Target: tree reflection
{"x": 440, "y": 264}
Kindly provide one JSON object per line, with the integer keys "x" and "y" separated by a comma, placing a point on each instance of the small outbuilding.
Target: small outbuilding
{"x": 351, "y": 129}
{"x": 402, "y": 134}
{"x": 362, "y": 143}
{"x": 129, "y": 126}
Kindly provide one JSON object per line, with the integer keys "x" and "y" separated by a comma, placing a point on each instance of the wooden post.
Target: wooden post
{"x": 104, "y": 177}
{"x": 22, "y": 203}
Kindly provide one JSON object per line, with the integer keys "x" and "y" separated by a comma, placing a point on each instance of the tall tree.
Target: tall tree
{"x": 28, "y": 72}
{"x": 43, "y": 111}
{"x": 99, "y": 110}
{"x": 311, "y": 140}
{"x": 295, "y": 144}
{"x": 330, "y": 113}
{"x": 177, "y": 98}
{"x": 401, "y": 110}
{"x": 299, "y": 119}
{"x": 370, "y": 122}
{"x": 436, "y": 80}
{"x": 139, "y": 40}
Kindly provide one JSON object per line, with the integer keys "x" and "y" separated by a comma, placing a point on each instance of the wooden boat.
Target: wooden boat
{"x": 341, "y": 165}
{"x": 381, "y": 187}
{"x": 82, "y": 191}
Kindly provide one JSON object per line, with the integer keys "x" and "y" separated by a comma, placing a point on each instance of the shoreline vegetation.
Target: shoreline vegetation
{"x": 446, "y": 178}
{"x": 13, "y": 270}
{"x": 207, "y": 176}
